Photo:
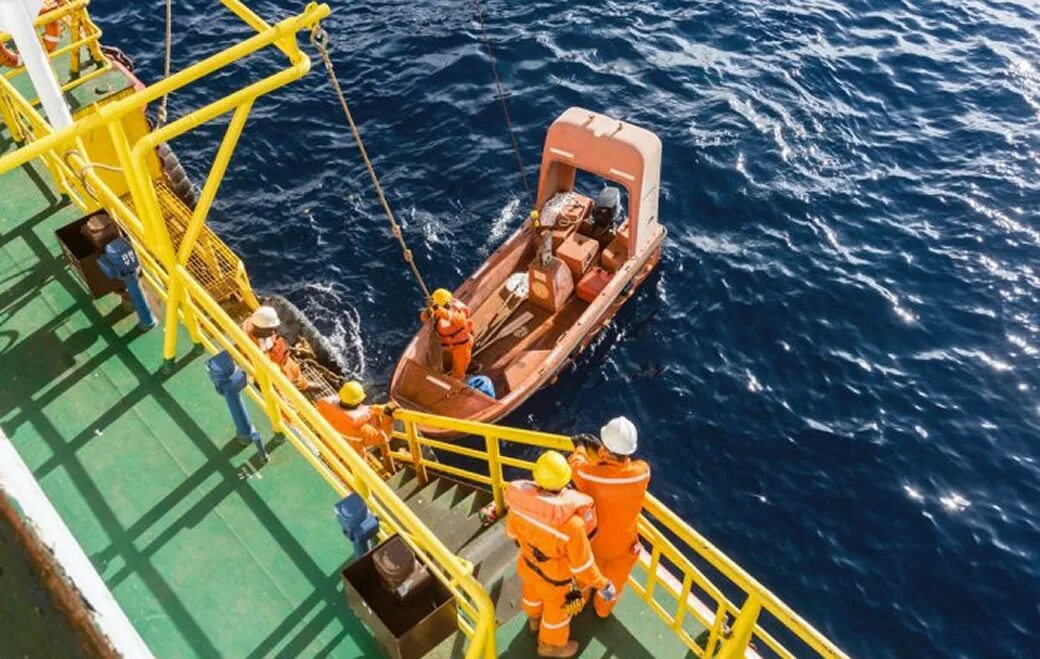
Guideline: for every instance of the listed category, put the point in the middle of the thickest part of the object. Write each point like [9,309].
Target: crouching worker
[551,525]
[364,426]
[605,471]
[262,328]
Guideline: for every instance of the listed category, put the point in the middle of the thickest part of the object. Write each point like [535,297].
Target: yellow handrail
[657,524]
[670,569]
[189,302]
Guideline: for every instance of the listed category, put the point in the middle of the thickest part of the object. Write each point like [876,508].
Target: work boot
[533,624]
[569,650]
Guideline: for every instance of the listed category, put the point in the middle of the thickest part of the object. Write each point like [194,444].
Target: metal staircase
[450,508]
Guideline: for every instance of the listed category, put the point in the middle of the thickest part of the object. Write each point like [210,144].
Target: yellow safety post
[495,471]
[417,456]
[157,235]
[14,127]
[743,629]
[216,175]
[75,34]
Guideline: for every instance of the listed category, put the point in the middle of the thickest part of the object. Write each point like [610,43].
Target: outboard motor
[607,214]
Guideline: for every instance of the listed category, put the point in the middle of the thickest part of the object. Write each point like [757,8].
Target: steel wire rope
[320,39]
[502,96]
[161,114]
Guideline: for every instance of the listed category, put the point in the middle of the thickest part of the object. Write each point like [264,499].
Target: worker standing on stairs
[551,524]
[605,471]
[262,328]
[454,327]
[364,426]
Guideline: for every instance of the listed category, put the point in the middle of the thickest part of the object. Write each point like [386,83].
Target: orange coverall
[618,487]
[455,331]
[567,559]
[364,426]
[279,354]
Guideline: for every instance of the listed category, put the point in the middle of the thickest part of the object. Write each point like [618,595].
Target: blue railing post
[357,522]
[229,381]
[119,261]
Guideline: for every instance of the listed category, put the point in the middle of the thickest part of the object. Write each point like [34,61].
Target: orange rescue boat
[541,298]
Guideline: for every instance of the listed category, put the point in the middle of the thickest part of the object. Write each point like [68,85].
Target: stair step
[493,554]
[405,483]
[449,508]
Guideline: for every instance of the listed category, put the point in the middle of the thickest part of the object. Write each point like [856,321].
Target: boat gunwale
[609,300]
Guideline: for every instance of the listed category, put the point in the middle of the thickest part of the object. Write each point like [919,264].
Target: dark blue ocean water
[835,368]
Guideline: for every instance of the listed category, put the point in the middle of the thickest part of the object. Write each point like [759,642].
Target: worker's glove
[586,440]
[573,602]
[390,408]
[608,592]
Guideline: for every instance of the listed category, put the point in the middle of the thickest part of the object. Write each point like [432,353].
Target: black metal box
[82,257]
[406,631]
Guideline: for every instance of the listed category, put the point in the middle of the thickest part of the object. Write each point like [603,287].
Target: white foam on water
[501,224]
[325,304]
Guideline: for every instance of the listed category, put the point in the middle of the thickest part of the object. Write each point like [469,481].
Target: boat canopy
[615,150]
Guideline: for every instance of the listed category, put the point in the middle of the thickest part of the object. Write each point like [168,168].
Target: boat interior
[516,332]
[536,288]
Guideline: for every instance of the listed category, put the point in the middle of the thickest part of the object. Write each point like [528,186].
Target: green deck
[208,553]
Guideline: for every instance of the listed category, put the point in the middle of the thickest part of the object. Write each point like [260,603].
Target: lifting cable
[166,67]
[502,96]
[320,39]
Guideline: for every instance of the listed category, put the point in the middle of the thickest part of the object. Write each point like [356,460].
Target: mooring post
[119,261]
[357,522]
[229,381]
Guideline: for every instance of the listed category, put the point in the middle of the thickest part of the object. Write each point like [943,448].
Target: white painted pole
[17,482]
[16,18]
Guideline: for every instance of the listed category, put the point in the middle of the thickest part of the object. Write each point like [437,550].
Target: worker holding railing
[605,471]
[262,328]
[364,426]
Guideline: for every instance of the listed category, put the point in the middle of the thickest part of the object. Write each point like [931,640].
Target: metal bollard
[229,381]
[118,261]
[357,522]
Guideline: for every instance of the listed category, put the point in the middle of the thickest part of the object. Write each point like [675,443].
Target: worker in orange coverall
[364,426]
[551,523]
[454,329]
[604,470]
[262,328]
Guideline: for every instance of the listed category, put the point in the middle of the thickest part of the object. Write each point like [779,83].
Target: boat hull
[460,401]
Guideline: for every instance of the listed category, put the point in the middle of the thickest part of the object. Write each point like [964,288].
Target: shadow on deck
[208,552]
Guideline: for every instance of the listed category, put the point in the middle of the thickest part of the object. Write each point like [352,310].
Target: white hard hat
[619,436]
[265,318]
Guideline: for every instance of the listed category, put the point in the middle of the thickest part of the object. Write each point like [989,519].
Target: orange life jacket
[346,422]
[551,529]
[360,425]
[279,354]
[554,510]
[457,328]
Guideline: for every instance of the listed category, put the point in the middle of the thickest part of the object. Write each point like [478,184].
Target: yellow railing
[673,546]
[188,301]
[83,33]
[675,556]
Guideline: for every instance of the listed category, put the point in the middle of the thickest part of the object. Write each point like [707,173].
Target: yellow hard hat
[552,471]
[441,297]
[352,393]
